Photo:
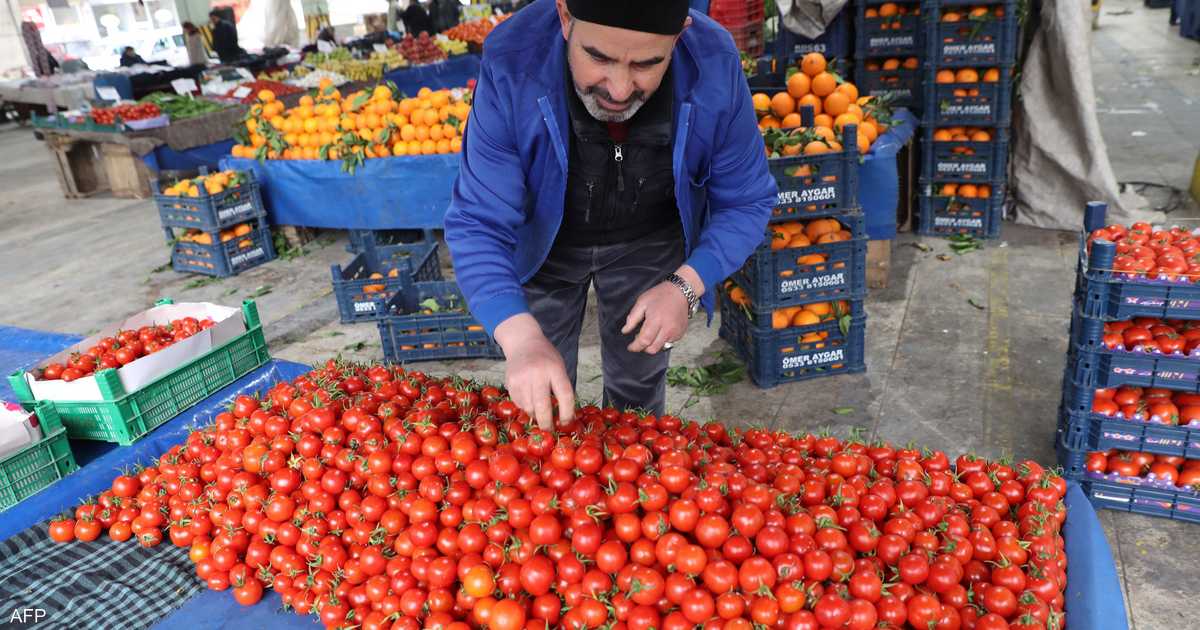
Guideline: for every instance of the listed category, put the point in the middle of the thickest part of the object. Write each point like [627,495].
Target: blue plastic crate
[903,86]
[980,104]
[224,259]
[361,239]
[1111,296]
[1178,504]
[795,354]
[1094,432]
[813,186]
[984,41]
[363,298]
[1073,461]
[777,278]
[965,161]
[411,331]
[834,43]
[891,36]
[1113,369]
[210,213]
[947,215]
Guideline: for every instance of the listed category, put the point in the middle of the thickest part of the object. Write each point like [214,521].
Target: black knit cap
[664,17]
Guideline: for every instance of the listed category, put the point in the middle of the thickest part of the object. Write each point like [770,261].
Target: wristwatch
[693,300]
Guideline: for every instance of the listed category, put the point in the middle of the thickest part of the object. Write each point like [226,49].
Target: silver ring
[668,345]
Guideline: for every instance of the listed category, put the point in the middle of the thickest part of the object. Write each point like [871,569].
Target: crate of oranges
[362,125]
[799,342]
[223,253]
[804,261]
[815,126]
[951,208]
[209,202]
[969,96]
[965,154]
[429,321]
[970,34]
[363,287]
[891,29]
[893,80]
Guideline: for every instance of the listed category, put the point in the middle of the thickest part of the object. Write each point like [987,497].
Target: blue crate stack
[363,287]
[215,214]
[822,186]
[889,51]
[969,52]
[429,321]
[1103,295]
[834,43]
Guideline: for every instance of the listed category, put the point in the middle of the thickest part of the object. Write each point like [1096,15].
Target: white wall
[12,48]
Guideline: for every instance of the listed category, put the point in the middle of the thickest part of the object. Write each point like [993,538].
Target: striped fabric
[102,584]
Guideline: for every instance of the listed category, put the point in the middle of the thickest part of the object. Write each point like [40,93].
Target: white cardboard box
[149,368]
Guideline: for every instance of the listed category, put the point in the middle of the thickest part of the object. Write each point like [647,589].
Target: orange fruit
[456,145]
[823,120]
[944,76]
[942,135]
[762,102]
[966,75]
[863,142]
[805,317]
[768,122]
[949,190]
[888,9]
[810,100]
[266,96]
[871,12]
[835,104]
[849,89]
[779,238]
[823,84]
[816,147]
[967,191]
[818,227]
[951,16]
[820,309]
[978,12]
[983,191]
[891,64]
[798,85]
[912,63]
[790,121]
[813,64]
[991,75]
[868,130]
[799,240]
[841,121]
[780,319]
[782,104]
[981,136]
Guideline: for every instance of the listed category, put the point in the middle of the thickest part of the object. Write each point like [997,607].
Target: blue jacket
[507,203]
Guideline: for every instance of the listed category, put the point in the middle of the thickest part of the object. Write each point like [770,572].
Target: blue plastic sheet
[452,73]
[96,474]
[1093,598]
[878,179]
[21,348]
[164,158]
[386,193]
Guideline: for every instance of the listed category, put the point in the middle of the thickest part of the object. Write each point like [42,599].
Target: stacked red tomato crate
[1129,426]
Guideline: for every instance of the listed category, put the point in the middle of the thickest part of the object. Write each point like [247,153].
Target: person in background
[444,14]
[194,42]
[224,38]
[417,20]
[129,57]
[326,35]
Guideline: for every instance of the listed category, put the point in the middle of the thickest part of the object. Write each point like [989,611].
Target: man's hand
[663,313]
[533,370]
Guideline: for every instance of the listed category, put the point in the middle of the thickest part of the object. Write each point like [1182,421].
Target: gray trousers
[557,297]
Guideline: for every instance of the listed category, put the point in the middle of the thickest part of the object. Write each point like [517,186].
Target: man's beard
[590,99]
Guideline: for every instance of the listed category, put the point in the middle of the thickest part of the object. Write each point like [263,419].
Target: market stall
[454,72]
[53,93]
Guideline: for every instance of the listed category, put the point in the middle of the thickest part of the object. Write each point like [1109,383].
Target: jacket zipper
[619,158]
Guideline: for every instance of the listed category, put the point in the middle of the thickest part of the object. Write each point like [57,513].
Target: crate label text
[815,359]
[816,282]
[808,195]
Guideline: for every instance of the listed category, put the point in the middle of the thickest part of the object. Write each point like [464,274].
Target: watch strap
[693,300]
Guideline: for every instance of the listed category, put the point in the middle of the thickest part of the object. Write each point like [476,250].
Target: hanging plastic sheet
[96,472]
[451,73]
[164,158]
[386,193]
[878,179]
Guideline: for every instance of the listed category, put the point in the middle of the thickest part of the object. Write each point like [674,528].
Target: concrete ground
[964,353]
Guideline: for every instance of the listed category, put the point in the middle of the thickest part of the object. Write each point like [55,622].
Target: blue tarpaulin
[20,348]
[164,158]
[1094,598]
[878,179]
[452,73]
[385,193]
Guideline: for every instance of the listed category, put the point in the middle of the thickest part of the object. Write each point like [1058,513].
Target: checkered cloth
[102,584]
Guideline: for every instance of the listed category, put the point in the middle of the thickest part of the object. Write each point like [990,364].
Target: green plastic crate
[26,472]
[123,418]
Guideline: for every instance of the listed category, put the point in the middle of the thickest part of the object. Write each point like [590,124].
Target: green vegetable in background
[180,106]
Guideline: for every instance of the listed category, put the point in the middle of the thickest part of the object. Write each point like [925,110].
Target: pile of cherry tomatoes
[127,111]
[124,348]
[1150,334]
[1168,255]
[373,498]
[1184,473]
